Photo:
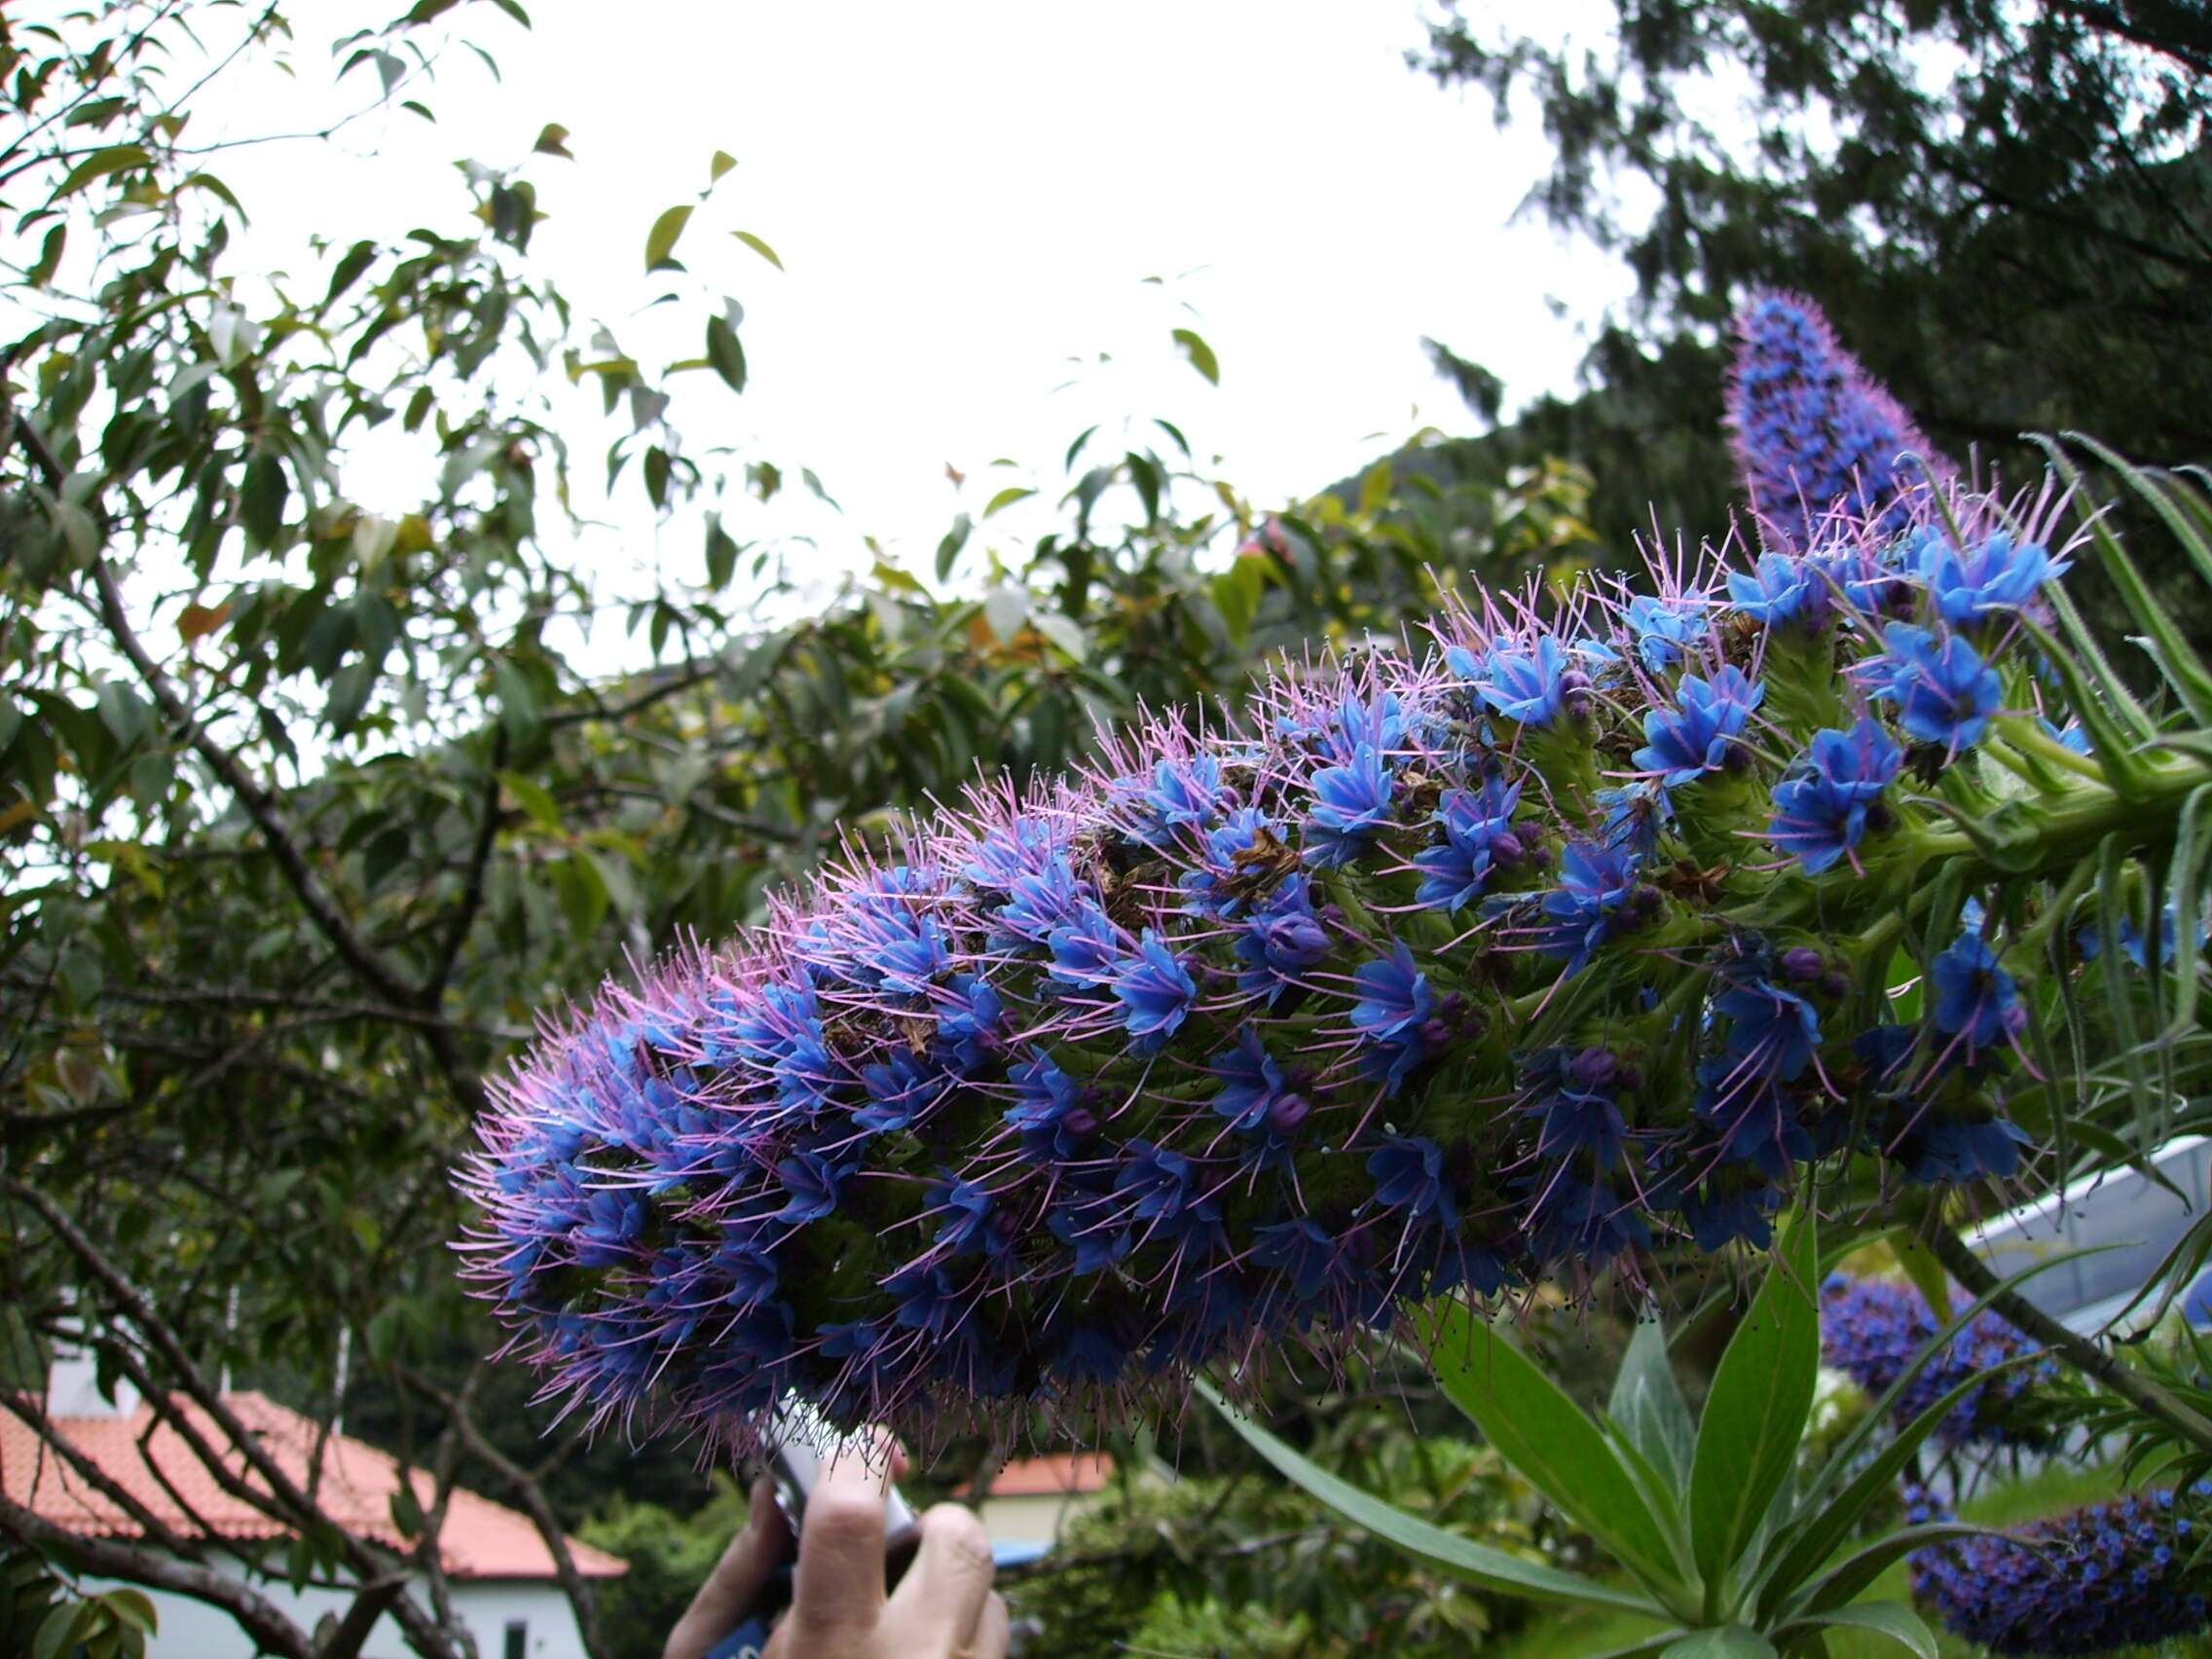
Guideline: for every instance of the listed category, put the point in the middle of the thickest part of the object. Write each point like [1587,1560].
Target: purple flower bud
[1288,1112]
[1594,1070]
[1801,963]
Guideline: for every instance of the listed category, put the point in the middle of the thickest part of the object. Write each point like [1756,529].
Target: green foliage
[43,1617]
[312,795]
[1219,1562]
[1756,1551]
[670,1556]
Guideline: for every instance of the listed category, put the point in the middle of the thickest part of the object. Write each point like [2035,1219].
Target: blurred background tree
[2006,210]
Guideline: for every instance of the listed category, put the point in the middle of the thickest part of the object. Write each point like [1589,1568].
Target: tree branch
[158,1530]
[518,1480]
[260,805]
[366,963]
[2091,1359]
[254,1612]
[366,1560]
[472,887]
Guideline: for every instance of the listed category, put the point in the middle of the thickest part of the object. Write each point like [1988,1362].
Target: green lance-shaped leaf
[1493,1568]
[1647,1405]
[724,352]
[1755,1415]
[1804,1548]
[662,239]
[1852,1577]
[2185,671]
[261,499]
[1552,1443]
[759,246]
[1725,1641]
[1200,355]
[1890,1619]
[1845,1454]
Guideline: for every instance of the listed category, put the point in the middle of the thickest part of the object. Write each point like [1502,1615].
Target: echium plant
[1873,1329]
[1515,951]
[1728,1537]
[2095,1579]
[1812,431]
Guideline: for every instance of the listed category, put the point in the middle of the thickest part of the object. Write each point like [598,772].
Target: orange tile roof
[1055,1474]
[480,1539]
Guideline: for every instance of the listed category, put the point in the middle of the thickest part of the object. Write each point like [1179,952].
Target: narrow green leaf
[759,246]
[724,352]
[116,158]
[1754,1414]
[1846,1451]
[948,550]
[722,554]
[407,1511]
[1850,1578]
[1492,1568]
[1005,498]
[1200,355]
[135,1608]
[1891,1619]
[1651,1648]
[262,495]
[532,798]
[1926,1273]
[62,1628]
[1806,1547]
[1237,594]
[357,259]
[2171,496]
[2185,902]
[662,239]
[582,892]
[720,165]
[1549,1441]
[2114,745]
[1727,1641]
[48,258]
[2183,669]
[1647,1405]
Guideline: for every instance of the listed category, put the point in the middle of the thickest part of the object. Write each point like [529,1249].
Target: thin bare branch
[111,1557]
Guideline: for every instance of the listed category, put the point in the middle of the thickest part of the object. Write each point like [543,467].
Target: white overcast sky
[966,197]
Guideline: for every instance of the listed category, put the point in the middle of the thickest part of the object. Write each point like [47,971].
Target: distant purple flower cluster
[2109,1577]
[1871,1330]
[1562,938]
[1814,435]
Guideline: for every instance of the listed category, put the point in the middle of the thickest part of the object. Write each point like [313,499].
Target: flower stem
[2089,1358]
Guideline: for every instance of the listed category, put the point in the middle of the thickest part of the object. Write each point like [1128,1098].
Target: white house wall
[195,1630]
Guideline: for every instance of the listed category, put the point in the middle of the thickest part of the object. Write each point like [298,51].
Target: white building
[500,1570]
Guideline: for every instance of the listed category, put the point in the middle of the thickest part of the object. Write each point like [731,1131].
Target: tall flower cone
[1815,435]
[1515,951]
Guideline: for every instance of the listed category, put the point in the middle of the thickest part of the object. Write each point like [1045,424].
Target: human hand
[943,1609]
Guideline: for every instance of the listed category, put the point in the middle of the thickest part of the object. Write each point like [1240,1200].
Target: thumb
[763,1541]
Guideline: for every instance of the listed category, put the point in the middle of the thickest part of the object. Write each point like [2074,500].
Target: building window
[518,1639]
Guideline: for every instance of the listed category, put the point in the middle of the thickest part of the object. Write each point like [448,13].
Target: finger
[839,1582]
[994,1631]
[736,1579]
[941,1597]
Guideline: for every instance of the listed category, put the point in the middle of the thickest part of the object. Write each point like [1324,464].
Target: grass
[1581,1635]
